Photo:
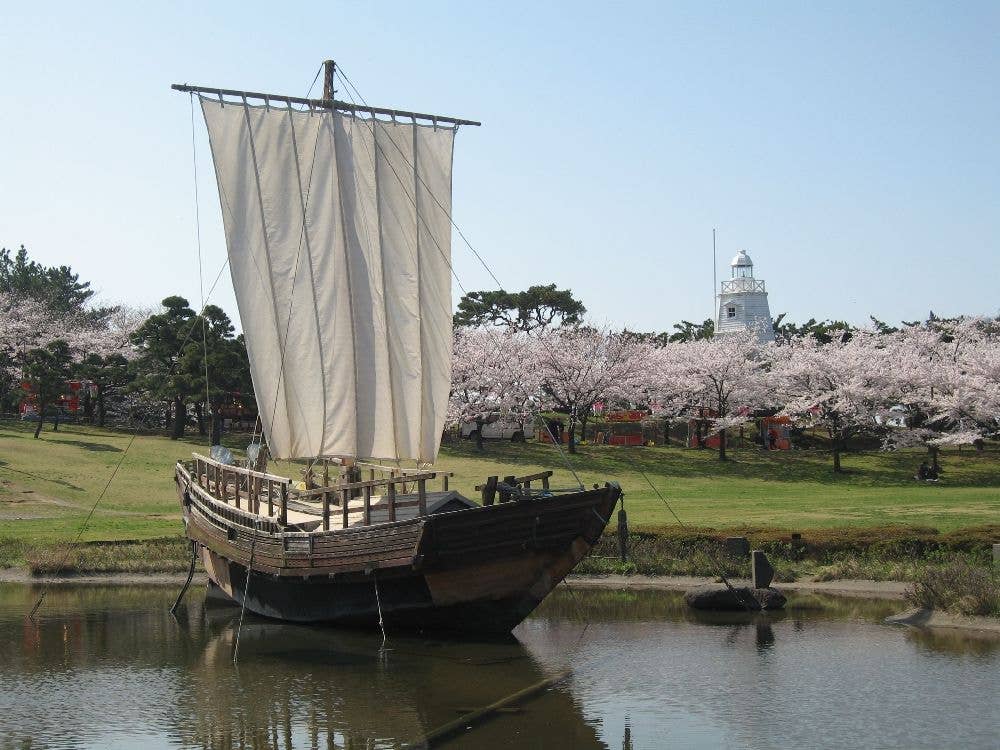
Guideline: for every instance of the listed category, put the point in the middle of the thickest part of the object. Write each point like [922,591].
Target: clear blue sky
[853,148]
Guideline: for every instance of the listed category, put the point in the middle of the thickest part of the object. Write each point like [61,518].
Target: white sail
[339,242]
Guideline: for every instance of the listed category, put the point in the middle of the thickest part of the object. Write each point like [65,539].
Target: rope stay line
[138,423]
[350,86]
[201,275]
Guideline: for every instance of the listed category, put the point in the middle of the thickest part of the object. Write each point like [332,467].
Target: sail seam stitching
[350,287]
[420,300]
[270,274]
[312,277]
[385,301]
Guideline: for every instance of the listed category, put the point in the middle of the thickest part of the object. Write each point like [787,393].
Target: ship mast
[329,69]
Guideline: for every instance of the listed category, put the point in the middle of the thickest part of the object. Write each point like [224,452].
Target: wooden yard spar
[338,229]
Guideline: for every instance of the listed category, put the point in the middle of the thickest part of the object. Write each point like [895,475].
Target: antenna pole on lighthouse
[329,68]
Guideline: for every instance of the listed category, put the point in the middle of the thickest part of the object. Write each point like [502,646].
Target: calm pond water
[110,668]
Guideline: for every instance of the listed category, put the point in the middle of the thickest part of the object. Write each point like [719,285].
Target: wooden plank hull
[475,571]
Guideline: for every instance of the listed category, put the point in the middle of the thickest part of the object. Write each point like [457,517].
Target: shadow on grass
[88,446]
[4,466]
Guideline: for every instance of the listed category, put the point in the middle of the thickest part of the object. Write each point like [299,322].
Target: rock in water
[761,571]
[722,599]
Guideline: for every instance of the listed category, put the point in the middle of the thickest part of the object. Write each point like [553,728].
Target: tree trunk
[666,433]
[836,458]
[583,428]
[572,435]
[199,413]
[180,413]
[167,415]
[722,446]
[479,436]
[88,406]
[933,451]
[41,414]
[101,413]
[55,420]
[217,426]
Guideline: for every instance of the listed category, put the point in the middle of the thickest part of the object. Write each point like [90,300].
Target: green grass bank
[873,521]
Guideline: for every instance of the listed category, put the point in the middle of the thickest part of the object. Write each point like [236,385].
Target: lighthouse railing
[742,285]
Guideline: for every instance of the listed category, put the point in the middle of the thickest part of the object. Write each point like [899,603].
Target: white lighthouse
[743,301]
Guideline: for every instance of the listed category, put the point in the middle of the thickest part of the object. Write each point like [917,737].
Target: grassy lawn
[48,485]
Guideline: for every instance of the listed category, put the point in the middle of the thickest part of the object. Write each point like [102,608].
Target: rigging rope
[492,275]
[139,422]
[374,120]
[201,279]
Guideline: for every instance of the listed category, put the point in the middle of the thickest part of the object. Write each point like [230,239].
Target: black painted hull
[479,571]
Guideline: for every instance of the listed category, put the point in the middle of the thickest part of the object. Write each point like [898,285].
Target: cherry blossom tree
[727,376]
[494,375]
[837,387]
[581,366]
[945,374]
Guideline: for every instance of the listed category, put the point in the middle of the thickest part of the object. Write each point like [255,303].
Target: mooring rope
[246,593]
[378,603]
[138,423]
[496,280]
[711,557]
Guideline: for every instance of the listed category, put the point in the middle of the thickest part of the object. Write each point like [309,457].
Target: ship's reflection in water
[109,667]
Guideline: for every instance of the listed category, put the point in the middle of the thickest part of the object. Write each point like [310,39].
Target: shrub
[958,587]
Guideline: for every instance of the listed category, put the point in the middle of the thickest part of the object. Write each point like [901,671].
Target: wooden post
[270,498]
[326,473]
[391,493]
[444,482]
[326,511]
[545,483]
[368,505]
[354,476]
[236,487]
[283,512]
[510,481]
[422,496]
[345,499]
[489,490]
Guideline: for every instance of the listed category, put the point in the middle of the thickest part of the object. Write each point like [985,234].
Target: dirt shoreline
[892,590]
[867,589]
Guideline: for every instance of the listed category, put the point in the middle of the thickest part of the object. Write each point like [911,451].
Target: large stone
[740,599]
[761,571]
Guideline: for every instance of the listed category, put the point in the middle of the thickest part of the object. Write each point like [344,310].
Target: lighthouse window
[731,311]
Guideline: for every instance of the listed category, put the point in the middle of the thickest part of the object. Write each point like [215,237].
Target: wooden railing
[341,494]
[489,489]
[256,490]
[225,482]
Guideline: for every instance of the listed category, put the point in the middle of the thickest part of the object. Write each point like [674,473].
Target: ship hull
[477,571]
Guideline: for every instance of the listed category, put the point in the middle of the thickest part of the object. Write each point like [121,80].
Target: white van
[499,430]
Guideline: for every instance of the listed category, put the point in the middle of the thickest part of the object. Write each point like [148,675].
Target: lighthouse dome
[741,260]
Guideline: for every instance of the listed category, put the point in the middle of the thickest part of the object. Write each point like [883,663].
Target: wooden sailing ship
[338,228]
